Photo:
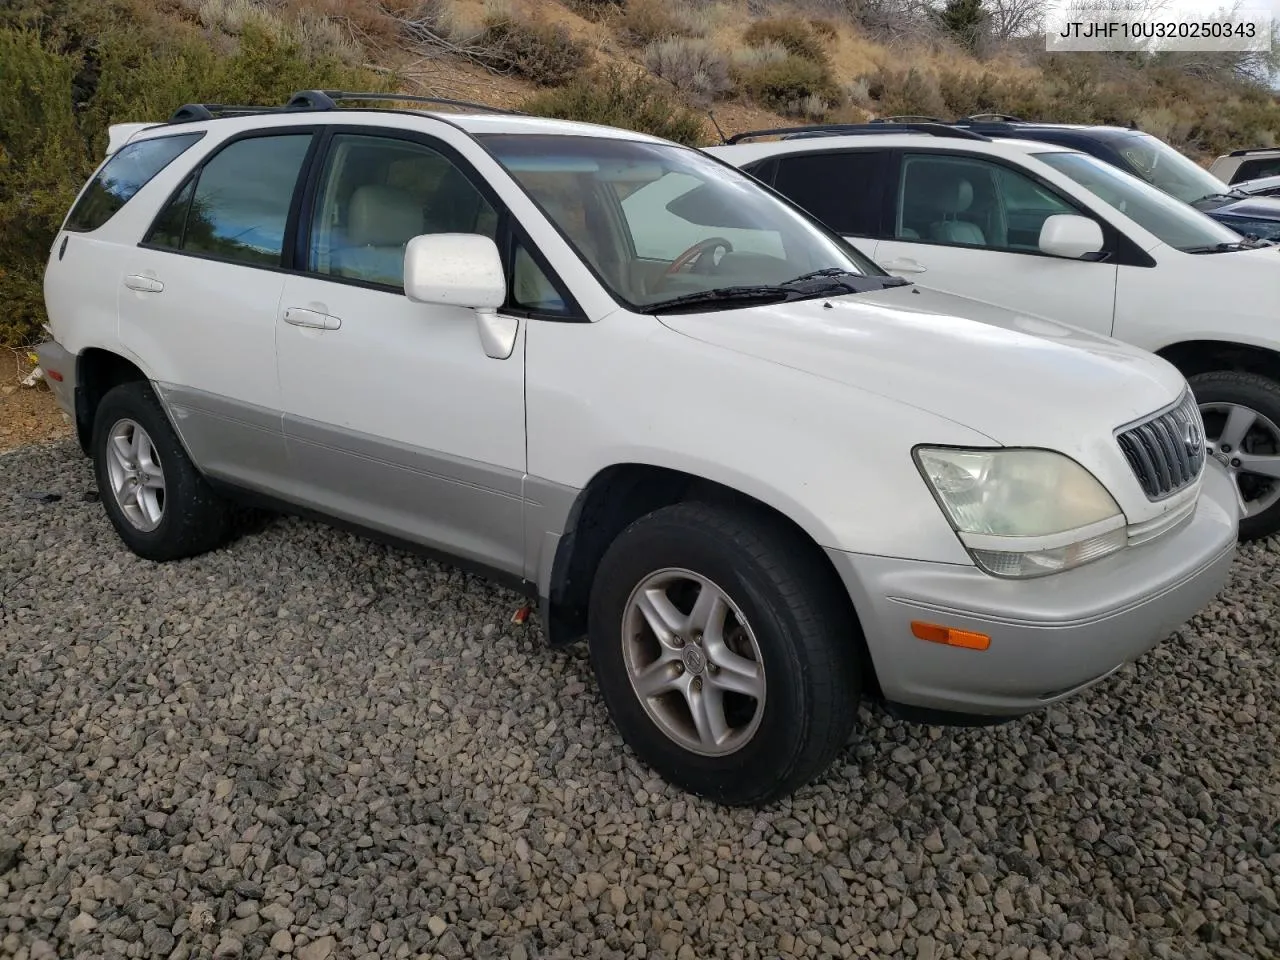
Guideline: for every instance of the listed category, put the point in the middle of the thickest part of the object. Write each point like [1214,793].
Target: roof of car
[472,123]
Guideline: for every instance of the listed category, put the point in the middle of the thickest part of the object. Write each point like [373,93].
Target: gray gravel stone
[308,745]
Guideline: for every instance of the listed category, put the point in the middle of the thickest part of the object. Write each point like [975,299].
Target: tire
[181,518]
[1218,393]
[797,627]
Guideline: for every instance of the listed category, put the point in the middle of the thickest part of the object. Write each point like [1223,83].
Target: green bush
[68,69]
[794,85]
[791,33]
[543,53]
[618,98]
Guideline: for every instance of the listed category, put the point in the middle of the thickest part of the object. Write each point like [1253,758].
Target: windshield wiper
[1229,195]
[1229,246]
[854,282]
[756,293]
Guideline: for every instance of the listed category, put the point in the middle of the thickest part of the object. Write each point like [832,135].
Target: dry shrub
[646,21]
[310,30]
[694,67]
[905,92]
[791,33]
[823,28]
[541,52]
[750,58]
[619,98]
[594,10]
[795,86]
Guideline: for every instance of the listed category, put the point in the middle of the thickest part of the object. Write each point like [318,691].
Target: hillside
[664,66]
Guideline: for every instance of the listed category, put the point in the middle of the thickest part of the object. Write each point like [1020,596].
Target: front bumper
[57,362]
[1051,637]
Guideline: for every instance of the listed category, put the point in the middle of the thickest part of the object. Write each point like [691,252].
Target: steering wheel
[693,255]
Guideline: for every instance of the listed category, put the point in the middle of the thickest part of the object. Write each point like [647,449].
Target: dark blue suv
[1151,159]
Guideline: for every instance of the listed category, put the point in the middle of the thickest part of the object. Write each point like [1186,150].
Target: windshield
[1164,167]
[1170,220]
[657,221]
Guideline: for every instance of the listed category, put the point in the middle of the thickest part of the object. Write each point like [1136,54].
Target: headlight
[1024,513]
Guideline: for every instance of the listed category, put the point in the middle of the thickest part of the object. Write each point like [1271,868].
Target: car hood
[1256,208]
[1021,380]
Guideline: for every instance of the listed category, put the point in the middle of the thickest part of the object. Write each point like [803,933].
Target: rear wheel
[723,653]
[160,505]
[1241,414]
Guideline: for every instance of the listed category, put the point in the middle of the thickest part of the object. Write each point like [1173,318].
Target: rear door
[198,299]
[844,189]
[971,226]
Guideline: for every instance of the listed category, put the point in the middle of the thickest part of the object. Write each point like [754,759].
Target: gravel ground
[309,744]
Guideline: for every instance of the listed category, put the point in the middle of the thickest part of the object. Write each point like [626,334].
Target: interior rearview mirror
[1070,235]
[454,269]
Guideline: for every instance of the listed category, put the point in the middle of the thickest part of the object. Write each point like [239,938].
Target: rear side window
[127,172]
[236,207]
[840,189]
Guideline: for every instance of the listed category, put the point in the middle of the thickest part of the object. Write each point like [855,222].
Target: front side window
[965,201]
[130,169]
[1166,169]
[377,194]
[1167,218]
[237,206]
[655,221]
[840,189]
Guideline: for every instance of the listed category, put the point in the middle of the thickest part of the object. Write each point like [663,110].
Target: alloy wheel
[693,662]
[137,478]
[1248,445]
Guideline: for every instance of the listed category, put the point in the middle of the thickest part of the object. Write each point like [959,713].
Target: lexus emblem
[1193,436]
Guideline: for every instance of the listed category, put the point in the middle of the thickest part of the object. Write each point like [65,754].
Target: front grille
[1166,451]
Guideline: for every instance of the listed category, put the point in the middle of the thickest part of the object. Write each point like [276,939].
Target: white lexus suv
[1055,232]
[763,477]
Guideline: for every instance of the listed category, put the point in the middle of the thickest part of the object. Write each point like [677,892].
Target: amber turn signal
[950,636]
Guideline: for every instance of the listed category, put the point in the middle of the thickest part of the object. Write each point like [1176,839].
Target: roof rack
[998,117]
[1246,153]
[317,100]
[191,112]
[908,118]
[837,129]
[330,99]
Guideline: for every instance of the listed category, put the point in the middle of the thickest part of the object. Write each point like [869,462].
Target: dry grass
[696,68]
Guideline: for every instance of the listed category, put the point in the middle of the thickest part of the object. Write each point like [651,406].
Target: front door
[394,416]
[969,226]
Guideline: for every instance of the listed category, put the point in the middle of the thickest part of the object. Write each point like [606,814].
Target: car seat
[949,198]
[381,221]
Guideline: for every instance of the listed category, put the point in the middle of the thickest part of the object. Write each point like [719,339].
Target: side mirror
[463,270]
[1070,235]
[454,269]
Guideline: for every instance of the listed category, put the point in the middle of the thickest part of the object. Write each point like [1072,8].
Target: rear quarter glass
[121,177]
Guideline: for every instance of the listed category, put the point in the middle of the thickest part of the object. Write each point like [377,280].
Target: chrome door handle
[300,317]
[904,265]
[143,284]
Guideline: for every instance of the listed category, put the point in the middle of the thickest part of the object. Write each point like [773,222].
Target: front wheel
[722,651]
[1241,413]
